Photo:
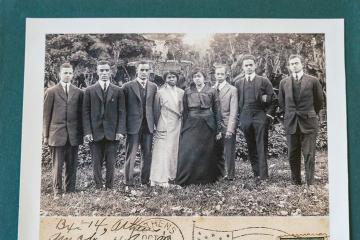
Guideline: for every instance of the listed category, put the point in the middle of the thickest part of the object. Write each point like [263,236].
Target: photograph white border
[36,29]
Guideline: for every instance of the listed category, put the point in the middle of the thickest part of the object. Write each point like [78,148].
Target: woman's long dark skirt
[197,162]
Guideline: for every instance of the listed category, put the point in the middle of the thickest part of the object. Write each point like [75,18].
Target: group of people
[185,136]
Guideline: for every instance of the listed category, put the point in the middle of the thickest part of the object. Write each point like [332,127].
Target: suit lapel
[224,90]
[135,88]
[109,92]
[289,89]
[257,85]
[242,82]
[149,90]
[304,83]
[71,92]
[62,92]
[99,91]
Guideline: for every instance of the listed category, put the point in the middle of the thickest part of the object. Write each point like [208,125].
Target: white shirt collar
[141,81]
[64,85]
[101,82]
[199,89]
[299,75]
[220,85]
[252,76]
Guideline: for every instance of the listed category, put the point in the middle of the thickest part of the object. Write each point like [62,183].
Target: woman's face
[198,79]
[171,79]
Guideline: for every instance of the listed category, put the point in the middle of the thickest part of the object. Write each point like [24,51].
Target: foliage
[277,147]
[84,50]
[271,50]
[241,197]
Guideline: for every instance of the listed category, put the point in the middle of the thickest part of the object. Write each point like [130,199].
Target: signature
[120,229]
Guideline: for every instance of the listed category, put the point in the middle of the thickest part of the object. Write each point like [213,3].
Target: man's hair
[248,57]
[222,66]
[103,62]
[292,56]
[65,65]
[141,63]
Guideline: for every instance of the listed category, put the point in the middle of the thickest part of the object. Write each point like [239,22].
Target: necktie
[66,90]
[104,86]
[249,79]
[296,77]
[143,84]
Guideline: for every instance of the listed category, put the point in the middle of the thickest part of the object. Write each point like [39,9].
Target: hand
[264,98]
[218,136]
[119,136]
[88,138]
[228,135]
[270,119]
[46,141]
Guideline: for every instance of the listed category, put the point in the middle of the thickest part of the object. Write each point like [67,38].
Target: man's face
[295,65]
[104,72]
[143,71]
[66,75]
[249,66]
[220,74]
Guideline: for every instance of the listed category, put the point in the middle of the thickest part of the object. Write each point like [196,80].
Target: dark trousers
[64,155]
[144,139]
[103,151]
[226,150]
[305,143]
[253,125]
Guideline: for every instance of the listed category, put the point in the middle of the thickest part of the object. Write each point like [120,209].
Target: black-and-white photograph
[185,124]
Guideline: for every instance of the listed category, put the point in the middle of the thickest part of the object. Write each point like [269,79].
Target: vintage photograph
[185,124]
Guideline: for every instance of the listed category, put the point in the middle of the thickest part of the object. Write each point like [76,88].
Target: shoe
[129,184]
[145,184]
[57,195]
[257,181]
[296,182]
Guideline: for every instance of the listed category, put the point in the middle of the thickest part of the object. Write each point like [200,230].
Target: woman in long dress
[198,160]
[168,109]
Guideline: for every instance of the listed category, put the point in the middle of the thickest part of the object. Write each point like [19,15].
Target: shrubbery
[277,146]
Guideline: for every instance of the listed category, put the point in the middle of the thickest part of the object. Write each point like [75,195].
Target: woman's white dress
[168,109]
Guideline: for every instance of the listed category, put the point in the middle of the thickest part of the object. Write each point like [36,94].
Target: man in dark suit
[228,96]
[104,117]
[256,96]
[139,95]
[301,98]
[62,128]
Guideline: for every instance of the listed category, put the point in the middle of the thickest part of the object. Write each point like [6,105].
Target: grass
[239,197]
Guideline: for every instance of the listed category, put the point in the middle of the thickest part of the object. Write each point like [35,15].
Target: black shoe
[257,181]
[129,184]
[296,182]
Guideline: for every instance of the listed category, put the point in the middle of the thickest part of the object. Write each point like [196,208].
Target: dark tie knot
[297,77]
[105,86]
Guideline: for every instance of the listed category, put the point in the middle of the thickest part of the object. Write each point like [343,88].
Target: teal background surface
[12,47]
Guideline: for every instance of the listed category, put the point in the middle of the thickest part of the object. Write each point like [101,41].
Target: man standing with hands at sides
[62,128]
[301,98]
[229,109]
[104,123]
[256,95]
[139,94]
